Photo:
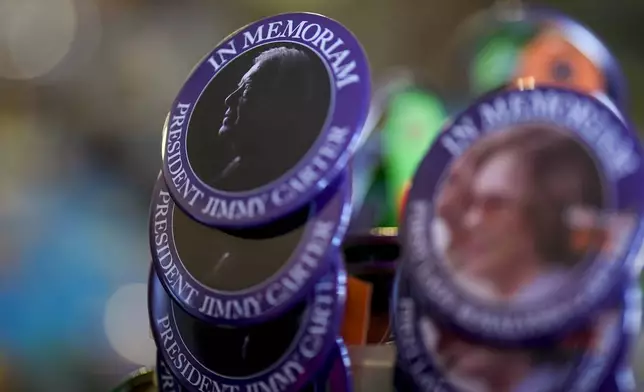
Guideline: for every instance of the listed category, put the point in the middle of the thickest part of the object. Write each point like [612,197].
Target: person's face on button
[454,197]
[239,102]
[498,236]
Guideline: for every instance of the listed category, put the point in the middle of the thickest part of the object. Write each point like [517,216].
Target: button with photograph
[241,277]
[439,359]
[525,213]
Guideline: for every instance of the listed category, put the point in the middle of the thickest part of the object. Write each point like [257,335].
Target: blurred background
[84,89]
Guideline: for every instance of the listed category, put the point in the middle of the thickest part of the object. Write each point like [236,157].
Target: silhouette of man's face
[241,104]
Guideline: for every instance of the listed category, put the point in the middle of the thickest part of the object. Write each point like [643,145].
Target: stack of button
[521,241]
[248,283]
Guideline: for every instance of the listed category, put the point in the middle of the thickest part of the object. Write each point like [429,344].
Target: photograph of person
[273,110]
[502,213]
[471,367]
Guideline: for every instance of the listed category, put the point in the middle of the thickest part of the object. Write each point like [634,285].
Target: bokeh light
[127,324]
[36,35]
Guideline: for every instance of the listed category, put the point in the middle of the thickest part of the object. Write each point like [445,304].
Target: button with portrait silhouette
[240,277]
[288,351]
[436,357]
[525,214]
[266,120]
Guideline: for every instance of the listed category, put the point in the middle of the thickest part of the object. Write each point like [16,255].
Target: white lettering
[236,209]
[182,361]
[164,255]
[342,64]
[231,309]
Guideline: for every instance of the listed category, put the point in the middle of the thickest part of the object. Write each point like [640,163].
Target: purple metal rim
[333,216]
[573,303]
[581,36]
[622,380]
[589,372]
[339,378]
[315,340]
[165,380]
[589,44]
[350,100]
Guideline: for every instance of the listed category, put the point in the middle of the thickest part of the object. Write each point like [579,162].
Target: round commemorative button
[524,214]
[566,53]
[267,120]
[542,46]
[165,380]
[282,354]
[438,359]
[245,276]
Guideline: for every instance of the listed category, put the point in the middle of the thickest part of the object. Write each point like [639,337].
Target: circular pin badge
[141,380]
[246,276]
[284,353]
[438,359]
[267,120]
[566,53]
[523,215]
[165,380]
[507,42]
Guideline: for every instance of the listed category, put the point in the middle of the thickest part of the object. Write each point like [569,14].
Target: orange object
[552,60]
[357,312]
[403,200]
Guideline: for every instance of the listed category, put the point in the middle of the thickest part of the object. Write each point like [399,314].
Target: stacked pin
[248,283]
[521,249]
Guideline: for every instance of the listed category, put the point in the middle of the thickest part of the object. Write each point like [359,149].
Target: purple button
[248,276]
[267,120]
[288,351]
[438,359]
[524,214]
